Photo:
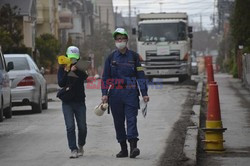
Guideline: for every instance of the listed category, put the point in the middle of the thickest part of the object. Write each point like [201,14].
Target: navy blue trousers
[124,107]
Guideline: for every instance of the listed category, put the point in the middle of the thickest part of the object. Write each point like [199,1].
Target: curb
[52,88]
[191,139]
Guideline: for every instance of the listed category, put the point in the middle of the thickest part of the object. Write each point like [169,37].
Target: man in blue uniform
[124,76]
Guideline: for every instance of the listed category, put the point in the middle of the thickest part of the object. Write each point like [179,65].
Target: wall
[51,78]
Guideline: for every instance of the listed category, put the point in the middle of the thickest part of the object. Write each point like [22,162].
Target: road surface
[40,139]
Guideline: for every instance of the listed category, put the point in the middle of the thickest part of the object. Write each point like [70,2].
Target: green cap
[120,31]
[73,52]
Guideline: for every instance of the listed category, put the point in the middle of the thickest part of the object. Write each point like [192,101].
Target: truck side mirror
[134,31]
[42,70]
[10,66]
[190,29]
[190,35]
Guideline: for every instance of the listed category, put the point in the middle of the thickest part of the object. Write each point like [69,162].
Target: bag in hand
[66,94]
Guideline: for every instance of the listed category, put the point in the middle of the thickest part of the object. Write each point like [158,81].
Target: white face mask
[120,45]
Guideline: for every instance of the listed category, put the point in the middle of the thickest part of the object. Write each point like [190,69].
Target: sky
[200,11]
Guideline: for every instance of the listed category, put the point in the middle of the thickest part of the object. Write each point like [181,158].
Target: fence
[246,70]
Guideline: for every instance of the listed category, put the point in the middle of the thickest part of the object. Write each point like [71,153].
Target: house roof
[24,6]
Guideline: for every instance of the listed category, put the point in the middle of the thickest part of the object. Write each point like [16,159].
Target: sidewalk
[52,88]
[235,113]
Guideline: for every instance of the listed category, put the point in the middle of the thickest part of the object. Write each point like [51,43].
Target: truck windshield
[162,32]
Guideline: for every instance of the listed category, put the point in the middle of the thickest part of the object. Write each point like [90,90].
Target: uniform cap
[120,31]
[73,52]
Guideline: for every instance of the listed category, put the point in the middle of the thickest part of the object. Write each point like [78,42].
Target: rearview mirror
[10,66]
[42,70]
[190,29]
[190,35]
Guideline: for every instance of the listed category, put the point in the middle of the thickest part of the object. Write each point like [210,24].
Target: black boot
[134,151]
[124,150]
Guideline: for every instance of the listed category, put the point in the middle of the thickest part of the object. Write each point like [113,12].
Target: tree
[240,25]
[48,47]
[10,28]
[100,44]
[240,30]
[5,39]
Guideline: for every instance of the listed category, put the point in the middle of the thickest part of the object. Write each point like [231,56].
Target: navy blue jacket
[76,83]
[124,69]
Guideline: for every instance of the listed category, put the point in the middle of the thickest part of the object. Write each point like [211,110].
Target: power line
[174,3]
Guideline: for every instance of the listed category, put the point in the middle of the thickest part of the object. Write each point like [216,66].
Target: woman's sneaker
[74,154]
[80,151]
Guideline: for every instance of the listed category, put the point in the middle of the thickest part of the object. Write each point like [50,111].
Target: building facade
[47,17]
[75,21]
[104,14]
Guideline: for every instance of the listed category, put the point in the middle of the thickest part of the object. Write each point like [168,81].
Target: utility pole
[116,10]
[201,22]
[100,18]
[107,18]
[63,31]
[129,14]
[160,6]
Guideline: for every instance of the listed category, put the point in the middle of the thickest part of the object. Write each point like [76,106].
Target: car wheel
[8,112]
[37,107]
[45,104]
[1,112]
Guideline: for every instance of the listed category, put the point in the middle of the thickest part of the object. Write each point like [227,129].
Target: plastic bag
[143,107]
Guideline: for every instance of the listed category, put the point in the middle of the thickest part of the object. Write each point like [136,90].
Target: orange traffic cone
[210,78]
[210,73]
[208,60]
[214,130]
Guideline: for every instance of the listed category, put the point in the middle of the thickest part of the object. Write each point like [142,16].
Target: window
[20,63]
[162,32]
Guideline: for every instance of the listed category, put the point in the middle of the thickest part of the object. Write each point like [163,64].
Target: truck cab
[163,42]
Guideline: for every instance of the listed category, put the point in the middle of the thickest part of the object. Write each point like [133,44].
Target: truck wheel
[1,113]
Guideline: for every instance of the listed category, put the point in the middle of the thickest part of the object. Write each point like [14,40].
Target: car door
[4,86]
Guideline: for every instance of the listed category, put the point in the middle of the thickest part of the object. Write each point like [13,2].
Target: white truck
[164,43]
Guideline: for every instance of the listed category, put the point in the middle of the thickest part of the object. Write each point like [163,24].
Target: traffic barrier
[214,129]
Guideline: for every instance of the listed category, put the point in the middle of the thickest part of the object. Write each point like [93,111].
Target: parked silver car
[28,86]
[5,91]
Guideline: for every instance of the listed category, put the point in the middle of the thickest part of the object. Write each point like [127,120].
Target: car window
[33,64]
[20,63]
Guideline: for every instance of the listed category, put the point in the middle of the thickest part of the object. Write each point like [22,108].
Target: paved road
[40,139]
